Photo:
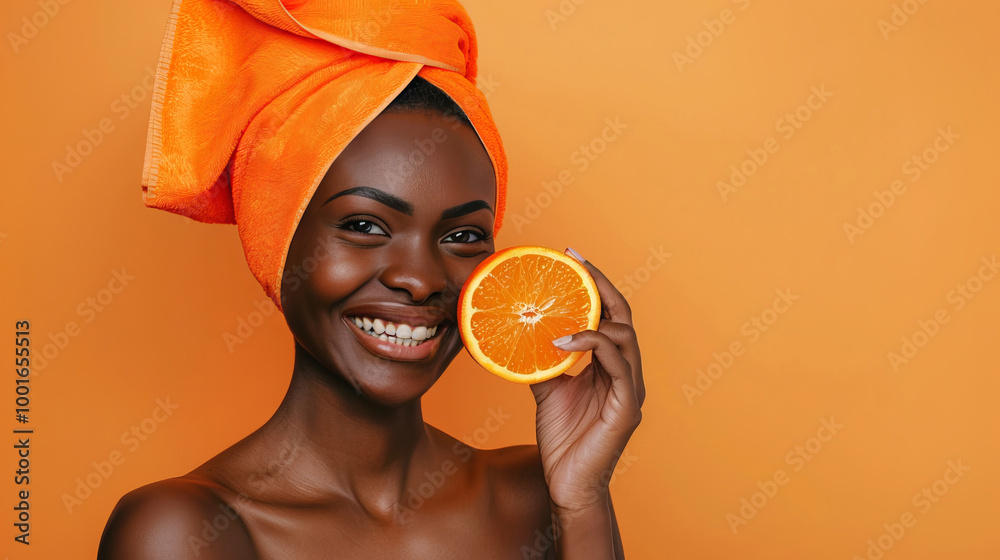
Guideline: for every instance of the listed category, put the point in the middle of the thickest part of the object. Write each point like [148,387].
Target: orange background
[551,84]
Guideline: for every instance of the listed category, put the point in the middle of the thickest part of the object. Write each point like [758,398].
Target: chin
[393,392]
[396,382]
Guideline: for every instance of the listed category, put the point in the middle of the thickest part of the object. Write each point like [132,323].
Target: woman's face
[398,223]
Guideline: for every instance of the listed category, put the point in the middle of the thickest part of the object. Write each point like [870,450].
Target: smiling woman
[387,201]
[397,248]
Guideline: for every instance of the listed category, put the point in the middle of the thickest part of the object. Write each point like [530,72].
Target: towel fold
[254,99]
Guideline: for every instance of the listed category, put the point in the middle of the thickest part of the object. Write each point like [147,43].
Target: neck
[338,443]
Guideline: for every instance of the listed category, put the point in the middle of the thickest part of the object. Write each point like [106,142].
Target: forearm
[585,534]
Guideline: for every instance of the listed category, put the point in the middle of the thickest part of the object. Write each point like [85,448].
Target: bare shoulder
[514,476]
[518,464]
[518,481]
[176,518]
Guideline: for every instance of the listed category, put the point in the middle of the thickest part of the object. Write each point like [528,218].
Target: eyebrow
[463,209]
[405,207]
[389,200]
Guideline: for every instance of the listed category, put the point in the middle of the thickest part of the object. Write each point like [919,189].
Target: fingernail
[563,340]
[575,255]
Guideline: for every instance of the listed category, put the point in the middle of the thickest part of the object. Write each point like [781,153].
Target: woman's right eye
[367,227]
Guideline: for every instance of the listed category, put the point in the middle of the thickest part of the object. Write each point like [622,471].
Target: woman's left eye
[465,236]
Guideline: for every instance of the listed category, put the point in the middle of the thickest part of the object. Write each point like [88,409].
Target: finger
[624,337]
[612,300]
[612,362]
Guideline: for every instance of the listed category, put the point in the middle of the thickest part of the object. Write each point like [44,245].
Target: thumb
[543,389]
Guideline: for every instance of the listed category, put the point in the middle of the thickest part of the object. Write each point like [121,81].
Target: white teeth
[401,334]
[396,340]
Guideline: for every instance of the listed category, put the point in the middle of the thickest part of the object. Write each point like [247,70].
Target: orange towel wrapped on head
[254,99]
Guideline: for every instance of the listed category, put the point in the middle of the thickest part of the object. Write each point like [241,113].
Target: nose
[416,268]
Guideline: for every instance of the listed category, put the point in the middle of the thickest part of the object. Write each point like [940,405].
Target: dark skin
[346,467]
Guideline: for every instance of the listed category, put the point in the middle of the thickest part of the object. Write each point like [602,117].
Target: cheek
[341,275]
[466,270]
[461,272]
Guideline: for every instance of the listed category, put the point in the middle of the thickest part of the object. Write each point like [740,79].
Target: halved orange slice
[516,302]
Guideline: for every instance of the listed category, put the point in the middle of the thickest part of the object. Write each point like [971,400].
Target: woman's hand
[583,422]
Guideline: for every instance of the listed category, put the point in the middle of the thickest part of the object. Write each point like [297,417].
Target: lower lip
[393,351]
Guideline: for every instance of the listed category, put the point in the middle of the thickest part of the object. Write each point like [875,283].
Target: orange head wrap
[254,99]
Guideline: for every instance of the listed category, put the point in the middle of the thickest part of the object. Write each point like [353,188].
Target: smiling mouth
[401,334]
